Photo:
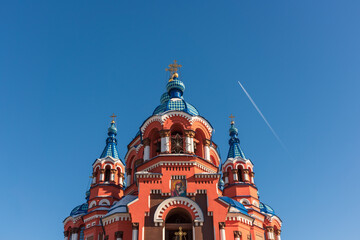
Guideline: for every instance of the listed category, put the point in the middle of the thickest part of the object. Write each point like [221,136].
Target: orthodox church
[172,184]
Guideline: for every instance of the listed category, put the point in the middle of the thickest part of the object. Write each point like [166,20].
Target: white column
[207,149]
[246,175]
[128,178]
[222,231]
[112,175]
[188,144]
[102,171]
[226,177]
[278,232]
[235,175]
[121,179]
[270,233]
[135,231]
[165,141]
[146,153]
[94,179]
[252,177]
[74,236]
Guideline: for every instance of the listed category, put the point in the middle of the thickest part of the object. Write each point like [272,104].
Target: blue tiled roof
[264,208]
[172,100]
[235,204]
[111,144]
[81,209]
[234,142]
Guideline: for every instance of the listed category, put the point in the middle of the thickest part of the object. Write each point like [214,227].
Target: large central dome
[173,100]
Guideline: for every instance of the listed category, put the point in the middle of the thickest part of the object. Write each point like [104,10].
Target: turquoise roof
[234,142]
[235,204]
[173,99]
[111,143]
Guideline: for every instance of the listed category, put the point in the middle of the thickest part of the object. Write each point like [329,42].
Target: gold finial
[232,119]
[173,68]
[113,118]
[180,233]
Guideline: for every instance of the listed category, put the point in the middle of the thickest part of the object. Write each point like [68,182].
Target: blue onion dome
[164,98]
[175,88]
[81,209]
[264,208]
[173,100]
[112,129]
[233,131]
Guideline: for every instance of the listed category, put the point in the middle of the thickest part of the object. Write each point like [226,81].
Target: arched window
[199,143]
[240,174]
[107,174]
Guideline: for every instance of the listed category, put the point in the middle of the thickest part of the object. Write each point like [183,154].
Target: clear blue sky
[65,66]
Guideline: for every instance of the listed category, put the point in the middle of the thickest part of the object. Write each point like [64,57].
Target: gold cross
[180,233]
[173,68]
[113,118]
[232,119]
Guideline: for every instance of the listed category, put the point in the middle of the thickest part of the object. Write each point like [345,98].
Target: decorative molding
[178,201]
[179,163]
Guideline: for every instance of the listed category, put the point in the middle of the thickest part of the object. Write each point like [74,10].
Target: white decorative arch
[255,203]
[104,202]
[242,166]
[109,164]
[199,216]
[245,201]
[92,204]
[97,166]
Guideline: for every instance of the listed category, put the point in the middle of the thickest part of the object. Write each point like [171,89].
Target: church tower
[174,188]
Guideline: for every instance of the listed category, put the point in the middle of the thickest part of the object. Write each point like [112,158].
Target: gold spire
[113,118]
[173,68]
[232,119]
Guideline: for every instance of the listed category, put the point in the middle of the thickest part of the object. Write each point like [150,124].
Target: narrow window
[240,176]
[107,175]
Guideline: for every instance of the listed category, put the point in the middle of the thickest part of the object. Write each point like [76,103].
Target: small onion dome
[81,209]
[164,98]
[112,129]
[264,208]
[233,130]
[175,88]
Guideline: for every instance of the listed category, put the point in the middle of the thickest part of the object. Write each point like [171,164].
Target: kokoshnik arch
[172,183]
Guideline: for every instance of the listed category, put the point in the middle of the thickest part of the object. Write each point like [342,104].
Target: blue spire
[111,143]
[234,142]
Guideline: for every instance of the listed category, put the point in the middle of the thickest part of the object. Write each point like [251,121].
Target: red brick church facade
[172,183]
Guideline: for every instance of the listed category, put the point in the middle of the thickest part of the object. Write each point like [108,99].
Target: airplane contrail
[263,117]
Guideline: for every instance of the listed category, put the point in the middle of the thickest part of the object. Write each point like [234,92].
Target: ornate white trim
[108,158]
[239,217]
[116,217]
[162,119]
[93,217]
[92,204]
[179,163]
[199,217]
